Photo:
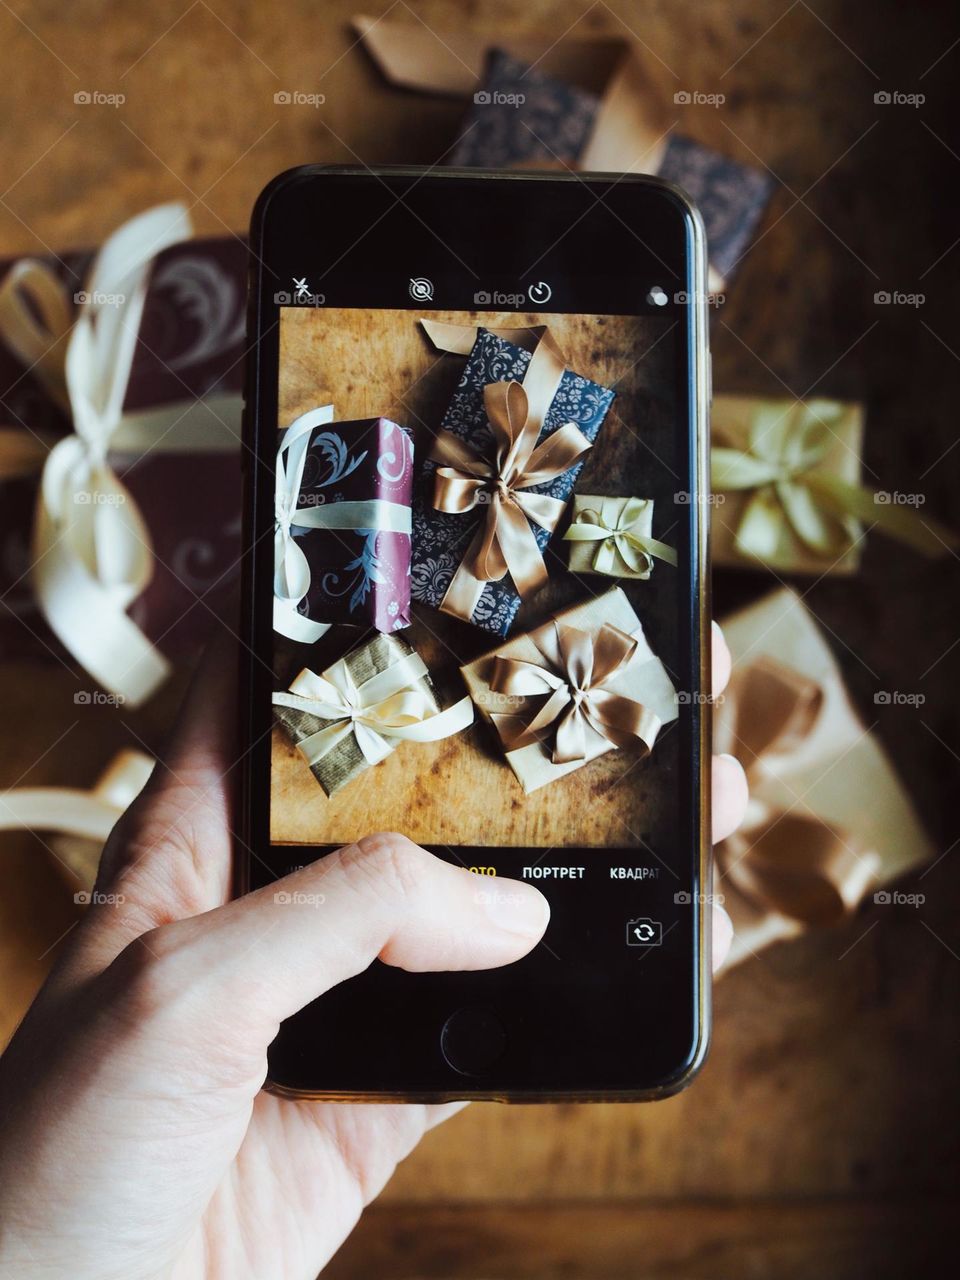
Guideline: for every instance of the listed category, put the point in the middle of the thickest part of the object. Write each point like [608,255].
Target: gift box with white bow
[361,708]
[121,378]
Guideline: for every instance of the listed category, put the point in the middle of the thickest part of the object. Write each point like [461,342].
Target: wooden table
[821,1139]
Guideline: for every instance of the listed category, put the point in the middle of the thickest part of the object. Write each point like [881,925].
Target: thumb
[273,951]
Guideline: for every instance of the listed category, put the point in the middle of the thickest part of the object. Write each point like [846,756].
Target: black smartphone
[475,444]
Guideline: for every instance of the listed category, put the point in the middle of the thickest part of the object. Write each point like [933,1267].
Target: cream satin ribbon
[291,569]
[466,479]
[619,539]
[379,712]
[72,812]
[91,548]
[783,468]
[576,668]
[790,863]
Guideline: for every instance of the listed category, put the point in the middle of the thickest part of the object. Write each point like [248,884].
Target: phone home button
[473,1040]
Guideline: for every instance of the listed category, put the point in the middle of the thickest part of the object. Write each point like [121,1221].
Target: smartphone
[415,336]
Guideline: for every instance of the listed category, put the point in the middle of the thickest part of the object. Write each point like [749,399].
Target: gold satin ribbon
[783,469]
[565,701]
[466,479]
[620,540]
[794,864]
[379,712]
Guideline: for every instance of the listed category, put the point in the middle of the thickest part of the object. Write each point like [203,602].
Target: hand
[136,1139]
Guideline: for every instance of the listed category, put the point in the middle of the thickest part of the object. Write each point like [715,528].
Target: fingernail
[517,908]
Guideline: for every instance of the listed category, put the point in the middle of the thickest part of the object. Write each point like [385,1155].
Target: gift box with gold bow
[584,683]
[503,465]
[361,708]
[594,105]
[121,380]
[828,819]
[342,528]
[786,477]
[614,537]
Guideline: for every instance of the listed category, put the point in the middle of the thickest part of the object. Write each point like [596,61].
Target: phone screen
[477,621]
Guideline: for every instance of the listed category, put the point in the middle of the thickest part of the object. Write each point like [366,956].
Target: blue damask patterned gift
[503,466]
[523,118]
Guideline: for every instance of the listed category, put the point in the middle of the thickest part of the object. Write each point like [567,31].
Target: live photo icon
[644,932]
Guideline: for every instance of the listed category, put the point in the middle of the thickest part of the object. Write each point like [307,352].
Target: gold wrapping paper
[643,680]
[613,537]
[828,819]
[346,760]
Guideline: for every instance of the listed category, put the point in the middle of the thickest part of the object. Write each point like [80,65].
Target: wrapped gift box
[768,429]
[176,448]
[441,539]
[829,820]
[588,104]
[358,711]
[613,537]
[359,563]
[641,678]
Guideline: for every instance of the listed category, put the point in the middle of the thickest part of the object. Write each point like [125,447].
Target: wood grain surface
[821,1139]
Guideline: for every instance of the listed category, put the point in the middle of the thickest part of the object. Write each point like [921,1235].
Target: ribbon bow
[91,548]
[466,479]
[82,819]
[790,863]
[786,469]
[579,714]
[378,712]
[616,529]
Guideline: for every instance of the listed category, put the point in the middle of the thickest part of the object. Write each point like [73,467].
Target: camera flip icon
[644,932]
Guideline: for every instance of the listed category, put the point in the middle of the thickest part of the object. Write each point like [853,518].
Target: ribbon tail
[906,524]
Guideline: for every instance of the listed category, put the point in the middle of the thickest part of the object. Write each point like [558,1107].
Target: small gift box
[134,535]
[614,537]
[362,707]
[787,491]
[342,540]
[584,683]
[588,104]
[828,819]
[496,482]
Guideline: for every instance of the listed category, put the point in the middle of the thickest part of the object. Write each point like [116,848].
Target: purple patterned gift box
[523,118]
[342,542]
[478,532]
